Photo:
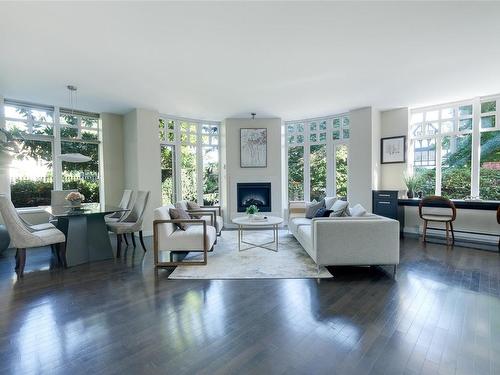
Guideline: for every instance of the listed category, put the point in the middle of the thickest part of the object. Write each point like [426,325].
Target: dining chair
[444,211]
[23,236]
[58,197]
[124,204]
[131,222]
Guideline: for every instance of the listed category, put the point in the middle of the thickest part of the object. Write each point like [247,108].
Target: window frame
[55,139]
[178,142]
[331,145]
[475,132]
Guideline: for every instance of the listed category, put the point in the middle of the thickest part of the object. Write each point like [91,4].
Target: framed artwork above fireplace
[253,147]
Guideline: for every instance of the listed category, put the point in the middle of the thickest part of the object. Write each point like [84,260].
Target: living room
[250,187]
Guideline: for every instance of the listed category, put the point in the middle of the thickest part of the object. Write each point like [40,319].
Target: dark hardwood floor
[442,315]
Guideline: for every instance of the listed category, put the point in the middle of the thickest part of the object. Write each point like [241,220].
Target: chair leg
[142,240]
[125,238]
[425,230]
[133,239]
[61,251]
[452,233]
[118,245]
[447,234]
[20,261]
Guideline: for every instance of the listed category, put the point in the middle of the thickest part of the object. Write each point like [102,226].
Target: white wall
[142,158]
[364,154]
[394,123]
[234,173]
[113,166]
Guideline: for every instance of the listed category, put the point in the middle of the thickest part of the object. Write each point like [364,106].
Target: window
[317,157]
[443,142]
[193,174]
[41,131]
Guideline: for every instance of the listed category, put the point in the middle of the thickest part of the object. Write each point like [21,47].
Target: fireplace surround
[257,193]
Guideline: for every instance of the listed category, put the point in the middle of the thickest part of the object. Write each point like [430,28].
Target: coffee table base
[264,245]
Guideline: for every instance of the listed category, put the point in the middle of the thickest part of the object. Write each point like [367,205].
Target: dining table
[87,238]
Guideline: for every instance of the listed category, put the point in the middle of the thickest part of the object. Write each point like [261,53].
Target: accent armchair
[198,237]
[211,214]
[25,236]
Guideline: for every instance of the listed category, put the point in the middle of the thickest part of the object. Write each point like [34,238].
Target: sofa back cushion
[313,207]
[357,211]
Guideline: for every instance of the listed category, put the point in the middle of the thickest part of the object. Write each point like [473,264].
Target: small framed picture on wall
[393,150]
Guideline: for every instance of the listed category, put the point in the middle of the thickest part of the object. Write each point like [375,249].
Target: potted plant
[251,211]
[411,182]
[75,198]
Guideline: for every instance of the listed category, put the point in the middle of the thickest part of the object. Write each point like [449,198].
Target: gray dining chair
[131,222]
[23,236]
[58,197]
[125,203]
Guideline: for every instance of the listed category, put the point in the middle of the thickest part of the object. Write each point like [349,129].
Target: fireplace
[257,193]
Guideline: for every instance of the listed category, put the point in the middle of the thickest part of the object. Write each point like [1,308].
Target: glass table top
[84,209]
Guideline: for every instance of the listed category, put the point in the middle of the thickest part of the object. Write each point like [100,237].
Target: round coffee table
[244,223]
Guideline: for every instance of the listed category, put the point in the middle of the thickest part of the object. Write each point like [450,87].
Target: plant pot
[250,216]
[77,203]
[409,194]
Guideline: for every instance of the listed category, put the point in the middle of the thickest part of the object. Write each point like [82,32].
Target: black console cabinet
[385,203]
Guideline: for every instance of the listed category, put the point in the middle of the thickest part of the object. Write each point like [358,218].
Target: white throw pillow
[340,208]
[329,201]
[357,211]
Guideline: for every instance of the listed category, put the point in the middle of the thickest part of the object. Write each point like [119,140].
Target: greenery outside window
[42,131]
[317,157]
[455,149]
[192,174]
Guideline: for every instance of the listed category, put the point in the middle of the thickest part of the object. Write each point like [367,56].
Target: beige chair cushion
[431,217]
[218,222]
[190,239]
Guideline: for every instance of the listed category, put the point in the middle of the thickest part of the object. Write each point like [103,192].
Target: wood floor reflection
[120,317]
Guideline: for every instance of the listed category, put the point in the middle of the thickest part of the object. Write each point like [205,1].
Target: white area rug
[226,262]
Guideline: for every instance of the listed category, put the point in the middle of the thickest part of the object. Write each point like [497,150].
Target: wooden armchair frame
[438,202]
[173,264]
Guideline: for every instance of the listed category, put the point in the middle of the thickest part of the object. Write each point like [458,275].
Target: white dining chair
[23,236]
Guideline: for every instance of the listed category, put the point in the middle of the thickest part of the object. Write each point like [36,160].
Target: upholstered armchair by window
[25,236]
[211,214]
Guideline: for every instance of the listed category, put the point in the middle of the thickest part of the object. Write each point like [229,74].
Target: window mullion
[307,173]
[56,152]
[476,147]
[330,161]
[438,141]
[178,164]
[199,164]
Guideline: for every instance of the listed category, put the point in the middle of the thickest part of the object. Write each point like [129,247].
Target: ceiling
[213,60]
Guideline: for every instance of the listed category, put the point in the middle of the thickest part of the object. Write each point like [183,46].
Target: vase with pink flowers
[75,198]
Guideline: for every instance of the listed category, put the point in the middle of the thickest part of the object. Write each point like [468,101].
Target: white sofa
[358,241]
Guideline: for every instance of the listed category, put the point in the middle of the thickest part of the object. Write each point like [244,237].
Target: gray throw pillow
[194,207]
[312,208]
[179,213]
